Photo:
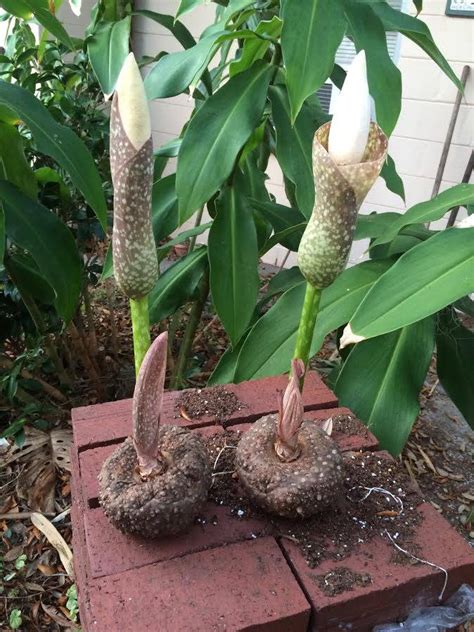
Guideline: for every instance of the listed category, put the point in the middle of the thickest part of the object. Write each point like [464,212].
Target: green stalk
[308,318]
[140,329]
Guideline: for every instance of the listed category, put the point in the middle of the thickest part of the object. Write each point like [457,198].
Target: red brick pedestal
[228,574]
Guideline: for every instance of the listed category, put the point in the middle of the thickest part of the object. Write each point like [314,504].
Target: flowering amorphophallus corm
[288,466]
[348,155]
[131,162]
[155,483]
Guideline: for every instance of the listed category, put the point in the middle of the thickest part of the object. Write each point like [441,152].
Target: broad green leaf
[400,244]
[384,77]
[417,31]
[13,165]
[281,218]
[2,236]
[18,8]
[428,211]
[271,342]
[425,279]
[175,72]
[185,235]
[381,379]
[216,133]
[29,279]
[455,362]
[312,32]
[294,146]
[187,5]
[108,267]
[250,179]
[224,370]
[419,5]
[177,285]
[392,179]
[178,29]
[233,256]
[51,244]
[466,305]
[164,207]
[169,149]
[373,225]
[293,232]
[108,48]
[60,143]
[281,282]
[48,21]
[256,48]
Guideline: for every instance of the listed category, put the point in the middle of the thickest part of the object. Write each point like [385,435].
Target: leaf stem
[140,329]
[308,318]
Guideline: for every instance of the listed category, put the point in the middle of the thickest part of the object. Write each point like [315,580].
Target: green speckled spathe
[340,190]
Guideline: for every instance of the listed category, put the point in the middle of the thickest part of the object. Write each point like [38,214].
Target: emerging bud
[131,162]
[290,415]
[146,410]
[350,125]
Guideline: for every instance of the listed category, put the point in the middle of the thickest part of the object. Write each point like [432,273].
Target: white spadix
[133,104]
[350,125]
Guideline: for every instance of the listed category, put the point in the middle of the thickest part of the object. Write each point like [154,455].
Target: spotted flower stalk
[348,155]
[131,162]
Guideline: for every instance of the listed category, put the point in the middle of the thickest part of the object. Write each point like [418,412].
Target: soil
[340,580]
[348,424]
[358,517]
[219,403]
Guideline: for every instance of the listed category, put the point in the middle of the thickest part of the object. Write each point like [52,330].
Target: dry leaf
[55,539]
[58,617]
[328,426]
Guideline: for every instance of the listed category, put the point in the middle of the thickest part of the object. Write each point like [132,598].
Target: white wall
[416,144]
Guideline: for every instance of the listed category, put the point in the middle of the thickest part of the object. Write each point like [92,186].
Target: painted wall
[417,141]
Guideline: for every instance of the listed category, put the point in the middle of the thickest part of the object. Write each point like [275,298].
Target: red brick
[245,586]
[111,422]
[396,589]
[363,440]
[109,551]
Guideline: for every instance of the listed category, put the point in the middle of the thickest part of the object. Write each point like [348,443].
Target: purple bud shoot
[290,417]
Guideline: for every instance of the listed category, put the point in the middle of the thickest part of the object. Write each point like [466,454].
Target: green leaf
[233,256]
[459,195]
[177,28]
[282,218]
[185,235]
[15,620]
[466,305]
[13,165]
[60,143]
[381,379]
[29,279]
[281,282]
[49,22]
[455,362]
[187,5]
[294,146]
[175,72]
[392,179]
[312,32]
[2,236]
[373,225]
[224,370]
[216,133]
[108,267]
[256,48]
[51,244]
[177,285]
[18,8]
[400,244]
[384,77]
[108,48]
[271,342]
[164,207]
[425,279]
[417,31]
[419,5]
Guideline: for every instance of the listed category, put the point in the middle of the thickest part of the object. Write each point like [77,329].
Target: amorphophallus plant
[348,155]
[288,466]
[155,483]
[131,162]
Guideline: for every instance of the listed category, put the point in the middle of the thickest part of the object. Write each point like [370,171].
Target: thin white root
[380,490]
[418,559]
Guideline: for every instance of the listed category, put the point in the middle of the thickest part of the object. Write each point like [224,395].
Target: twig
[20,515]
[418,559]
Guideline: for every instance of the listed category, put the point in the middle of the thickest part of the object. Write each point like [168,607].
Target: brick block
[245,586]
[111,422]
[396,589]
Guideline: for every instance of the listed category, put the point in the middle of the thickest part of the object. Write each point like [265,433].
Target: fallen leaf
[55,539]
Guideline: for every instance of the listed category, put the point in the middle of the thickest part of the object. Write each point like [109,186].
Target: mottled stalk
[131,161]
[140,329]
[146,410]
[307,324]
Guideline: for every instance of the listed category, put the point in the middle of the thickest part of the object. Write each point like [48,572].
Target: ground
[438,458]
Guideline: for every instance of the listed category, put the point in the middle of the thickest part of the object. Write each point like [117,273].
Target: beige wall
[417,141]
